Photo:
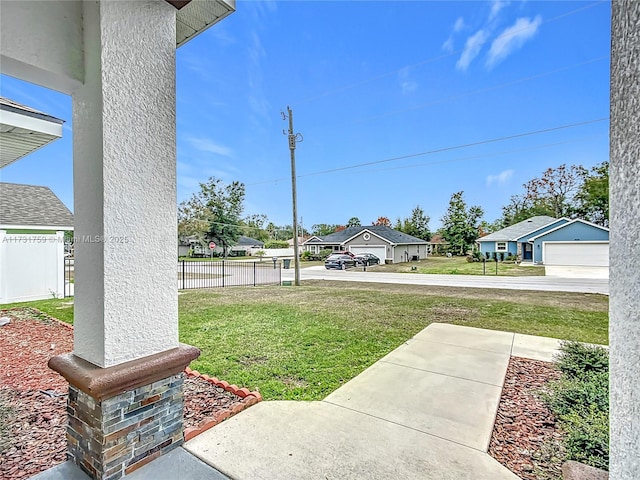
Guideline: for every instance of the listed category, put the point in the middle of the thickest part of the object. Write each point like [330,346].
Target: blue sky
[369,82]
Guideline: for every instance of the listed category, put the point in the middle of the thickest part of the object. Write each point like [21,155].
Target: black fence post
[254,274]
[223,273]
[183,274]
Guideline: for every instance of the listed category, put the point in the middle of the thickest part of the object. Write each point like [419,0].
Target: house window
[501,246]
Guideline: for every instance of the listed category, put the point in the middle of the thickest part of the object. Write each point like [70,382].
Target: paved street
[541,283]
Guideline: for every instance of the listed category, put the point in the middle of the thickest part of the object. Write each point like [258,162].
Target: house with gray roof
[551,241]
[32,225]
[32,218]
[513,240]
[387,244]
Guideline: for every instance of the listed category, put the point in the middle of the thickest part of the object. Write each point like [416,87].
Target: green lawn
[62,309]
[304,342]
[460,266]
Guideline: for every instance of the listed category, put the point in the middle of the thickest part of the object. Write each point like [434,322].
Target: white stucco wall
[41,42]
[125,183]
[624,303]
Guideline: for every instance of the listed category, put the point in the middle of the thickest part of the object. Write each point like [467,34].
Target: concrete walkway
[424,411]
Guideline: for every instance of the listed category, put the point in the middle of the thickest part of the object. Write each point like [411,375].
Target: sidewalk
[426,410]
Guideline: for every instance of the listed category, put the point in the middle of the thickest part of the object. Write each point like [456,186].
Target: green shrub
[575,395]
[324,253]
[276,244]
[306,255]
[488,255]
[577,359]
[260,253]
[502,256]
[580,400]
[470,258]
[587,437]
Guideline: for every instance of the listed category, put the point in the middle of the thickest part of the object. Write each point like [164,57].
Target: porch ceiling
[195,16]
[24,130]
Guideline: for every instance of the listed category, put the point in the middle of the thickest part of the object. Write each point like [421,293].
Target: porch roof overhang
[196,16]
[24,130]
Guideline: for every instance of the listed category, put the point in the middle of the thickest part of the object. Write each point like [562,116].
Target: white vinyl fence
[31,267]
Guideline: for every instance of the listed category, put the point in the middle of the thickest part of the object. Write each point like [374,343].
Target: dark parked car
[367,259]
[339,261]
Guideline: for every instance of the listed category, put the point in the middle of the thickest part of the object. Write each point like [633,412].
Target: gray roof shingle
[389,234]
[519,229]
[249,242]
[33,206]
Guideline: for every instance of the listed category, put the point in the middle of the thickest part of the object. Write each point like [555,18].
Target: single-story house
[437,244]
[552,241]
[247,244]
[386,243]
[32,225]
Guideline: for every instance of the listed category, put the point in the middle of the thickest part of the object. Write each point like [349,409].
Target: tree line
[215,212]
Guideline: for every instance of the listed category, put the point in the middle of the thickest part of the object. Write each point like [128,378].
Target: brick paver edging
[248,399]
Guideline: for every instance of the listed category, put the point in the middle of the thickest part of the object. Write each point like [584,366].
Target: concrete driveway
[539,283]
[576,271]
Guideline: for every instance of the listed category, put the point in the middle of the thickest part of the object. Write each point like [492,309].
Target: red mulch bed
[33,398]
[525,437]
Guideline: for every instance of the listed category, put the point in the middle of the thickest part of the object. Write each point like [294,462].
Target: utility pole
[293,137]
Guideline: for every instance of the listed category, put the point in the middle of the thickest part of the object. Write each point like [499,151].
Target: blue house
[576,242]
[514,240]
[551,241]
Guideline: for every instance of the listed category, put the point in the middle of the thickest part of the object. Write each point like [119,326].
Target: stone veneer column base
[122,417]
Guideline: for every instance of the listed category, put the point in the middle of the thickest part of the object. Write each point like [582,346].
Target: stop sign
[212,245]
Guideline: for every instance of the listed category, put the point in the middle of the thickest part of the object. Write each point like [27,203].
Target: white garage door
[588,254]
[378,251]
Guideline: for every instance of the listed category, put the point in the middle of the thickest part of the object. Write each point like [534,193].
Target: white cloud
[496,6]
[407,84]
[500,179]
[447,46]
[513,38]
[206,145]
[459,25]
[471,49]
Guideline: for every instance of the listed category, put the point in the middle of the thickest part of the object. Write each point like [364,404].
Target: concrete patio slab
[536,348]
[317,440]
[461,411]
[177,464]
[481,339]
[462,362]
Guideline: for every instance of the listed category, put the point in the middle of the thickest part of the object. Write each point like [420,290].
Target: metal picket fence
[206,274]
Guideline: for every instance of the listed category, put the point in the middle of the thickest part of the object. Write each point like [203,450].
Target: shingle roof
[518,230]
[32,205]
[11,106]
[248,241]
[389,234]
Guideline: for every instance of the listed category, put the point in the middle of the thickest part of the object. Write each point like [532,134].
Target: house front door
[528,251]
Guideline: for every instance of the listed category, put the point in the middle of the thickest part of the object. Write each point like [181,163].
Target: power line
[484,155]
[439,150]
[456,147]
[434,59]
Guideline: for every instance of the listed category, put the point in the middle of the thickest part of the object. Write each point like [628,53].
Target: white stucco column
[125,183]
[624,310]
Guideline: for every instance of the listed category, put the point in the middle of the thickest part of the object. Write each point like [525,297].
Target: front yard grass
[301,343]
[459,266]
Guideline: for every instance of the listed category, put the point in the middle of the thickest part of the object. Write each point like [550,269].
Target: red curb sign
[212,245]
